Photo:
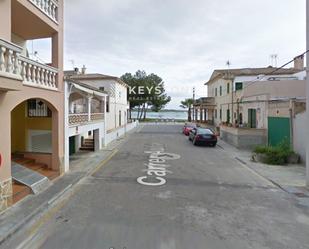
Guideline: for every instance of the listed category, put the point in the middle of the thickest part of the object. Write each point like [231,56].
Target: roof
[86,86]
[92,76]
[251,72]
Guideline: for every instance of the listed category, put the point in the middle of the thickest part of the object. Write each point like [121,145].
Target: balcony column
[89,107]
[57,48]
[5,20]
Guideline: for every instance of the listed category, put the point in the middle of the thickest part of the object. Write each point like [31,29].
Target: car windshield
[204,132]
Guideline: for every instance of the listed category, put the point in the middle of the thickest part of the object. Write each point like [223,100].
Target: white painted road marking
[156,166]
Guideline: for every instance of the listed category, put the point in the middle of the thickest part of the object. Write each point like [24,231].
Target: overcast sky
[182,41]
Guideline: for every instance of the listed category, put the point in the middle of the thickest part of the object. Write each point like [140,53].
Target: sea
[176,115]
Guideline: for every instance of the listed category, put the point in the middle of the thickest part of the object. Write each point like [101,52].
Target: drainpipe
[291,112]
[307,96]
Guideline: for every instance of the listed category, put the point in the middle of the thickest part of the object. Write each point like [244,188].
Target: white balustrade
[83,118]
[48,7]
[9,60]
[30,72]
[37,74]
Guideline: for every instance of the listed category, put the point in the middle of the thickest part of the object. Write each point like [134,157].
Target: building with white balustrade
[96,110]
[31,97]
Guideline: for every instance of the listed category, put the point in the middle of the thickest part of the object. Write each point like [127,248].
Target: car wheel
[213,145]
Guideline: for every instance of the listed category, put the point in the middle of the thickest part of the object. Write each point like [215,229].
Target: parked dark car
[187,128]
[203,136]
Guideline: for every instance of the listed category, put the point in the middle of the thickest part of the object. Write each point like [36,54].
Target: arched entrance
[34,145]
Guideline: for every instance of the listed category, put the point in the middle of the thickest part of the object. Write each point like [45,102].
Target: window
[216,113]
[220,90]
[216,92]
[37,108]
[107,103]
[228,88]
[238,86]
[119,118]
[220,114]
[101,88]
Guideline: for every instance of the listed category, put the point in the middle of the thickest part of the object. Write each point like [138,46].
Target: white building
[85,119]
[96,111]
[116,104]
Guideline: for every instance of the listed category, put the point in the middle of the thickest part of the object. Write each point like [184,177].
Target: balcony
[31,73]
[48,7]
[84,118]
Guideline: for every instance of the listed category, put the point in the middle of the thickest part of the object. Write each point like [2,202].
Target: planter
[294,159]
[258,157]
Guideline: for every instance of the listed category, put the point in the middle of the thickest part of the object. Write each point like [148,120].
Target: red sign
[0,160]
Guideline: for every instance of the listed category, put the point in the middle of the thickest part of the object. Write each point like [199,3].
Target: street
[187,197]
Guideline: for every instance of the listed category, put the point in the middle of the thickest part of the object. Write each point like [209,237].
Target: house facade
[85,119]
[254,106]
[227,87]
[31,95]
[117,106]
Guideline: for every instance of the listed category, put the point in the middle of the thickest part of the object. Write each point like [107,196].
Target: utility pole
[228,63]
[193,111]
[307,95]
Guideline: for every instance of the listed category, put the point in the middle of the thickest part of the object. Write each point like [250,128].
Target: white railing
[9,60]
[30,72]
[97,116]
[48,7]
[36,74]
[82,118]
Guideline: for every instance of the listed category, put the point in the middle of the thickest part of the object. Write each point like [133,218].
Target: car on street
[203,136]
[187,128]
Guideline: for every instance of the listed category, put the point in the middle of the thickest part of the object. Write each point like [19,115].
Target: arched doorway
[34,145]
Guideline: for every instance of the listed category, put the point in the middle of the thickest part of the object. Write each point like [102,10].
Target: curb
[34,217]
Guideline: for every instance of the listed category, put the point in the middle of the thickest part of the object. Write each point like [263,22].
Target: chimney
[299,62]
[84,69]
[76,70]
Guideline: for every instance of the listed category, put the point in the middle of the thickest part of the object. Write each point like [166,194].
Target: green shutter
[71,145]
[228,115]
[252,118]
[238,86]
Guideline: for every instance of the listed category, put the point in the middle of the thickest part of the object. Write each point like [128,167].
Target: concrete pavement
[209,200]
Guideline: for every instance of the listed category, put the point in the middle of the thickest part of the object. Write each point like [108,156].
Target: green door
[71,145]
[228,117]
[252,118]
[278,130]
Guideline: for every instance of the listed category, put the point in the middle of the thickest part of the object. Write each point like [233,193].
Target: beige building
[227,87]
[31,96]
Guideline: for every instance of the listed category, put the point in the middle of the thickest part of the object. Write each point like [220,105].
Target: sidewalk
[26,212]
[290,178]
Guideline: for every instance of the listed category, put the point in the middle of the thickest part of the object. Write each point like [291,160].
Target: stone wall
[243,138]
[6,193]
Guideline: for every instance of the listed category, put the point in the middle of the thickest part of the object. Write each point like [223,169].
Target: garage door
[278,130]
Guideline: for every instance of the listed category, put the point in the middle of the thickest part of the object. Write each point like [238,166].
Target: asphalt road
[207,200]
